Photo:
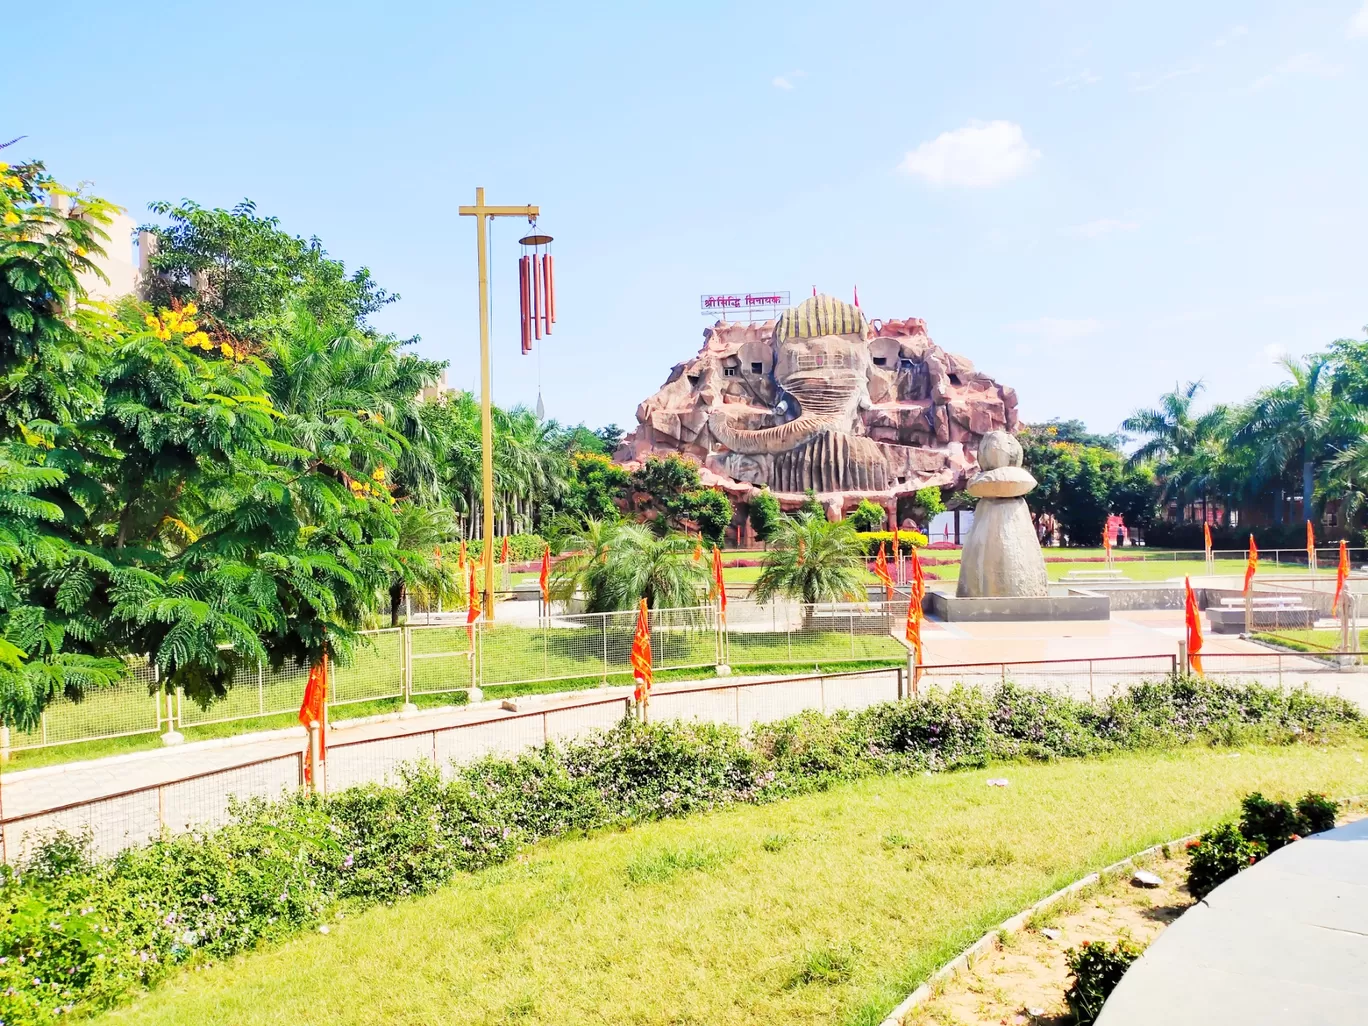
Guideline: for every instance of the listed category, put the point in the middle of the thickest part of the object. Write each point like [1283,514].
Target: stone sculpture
[1002,557]
[823,398]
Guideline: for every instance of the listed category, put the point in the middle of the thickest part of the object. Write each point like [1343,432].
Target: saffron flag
[472,606]
[719,587]
[914,621]
[641,653]
[314,709]
[1310,546]
[698,550]
[918,578]
[1206,537]
[503,554]
[544,578]
[1107,537]
[881,571]
[1192,619]
[1341,575]
[1251,564]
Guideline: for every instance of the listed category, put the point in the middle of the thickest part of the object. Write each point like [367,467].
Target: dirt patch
[1023,980]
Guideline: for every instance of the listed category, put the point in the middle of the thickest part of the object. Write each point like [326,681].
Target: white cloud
[1144,85]
[1102,226]
[1358,24]
[1301,64]
[788,80]
[1078,81]
[979,155]
[1058,330]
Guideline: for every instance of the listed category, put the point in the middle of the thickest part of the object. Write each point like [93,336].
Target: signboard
[721,303]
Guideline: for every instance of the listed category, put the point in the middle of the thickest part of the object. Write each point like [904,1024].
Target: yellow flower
[189,310]
[11,218]
[226,350]
[3,167]
[207,344]
[152,322]
[80,251]
[13,181]
[378,419]
[197,339]
[379,474]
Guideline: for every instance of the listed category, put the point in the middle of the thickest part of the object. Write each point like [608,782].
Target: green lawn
[1308,640]
[822,909]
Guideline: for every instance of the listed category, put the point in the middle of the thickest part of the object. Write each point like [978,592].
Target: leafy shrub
[867,516]
[1271,824]
[907,541]
[1317,812]
[283,866]
[1096,970]
[712,511]
[1217,856]
[764,513]
[929,502]
[812,506]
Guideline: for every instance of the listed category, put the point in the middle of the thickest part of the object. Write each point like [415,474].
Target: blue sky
[1090,200]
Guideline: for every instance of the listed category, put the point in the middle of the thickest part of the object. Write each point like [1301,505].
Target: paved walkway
[1285,943]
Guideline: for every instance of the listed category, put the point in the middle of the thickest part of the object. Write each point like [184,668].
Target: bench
[1264,611]
[1095,575]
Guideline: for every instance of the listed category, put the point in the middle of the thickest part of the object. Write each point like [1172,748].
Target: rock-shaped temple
[822,398]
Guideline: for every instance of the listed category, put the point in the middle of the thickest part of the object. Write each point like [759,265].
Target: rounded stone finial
[998,449]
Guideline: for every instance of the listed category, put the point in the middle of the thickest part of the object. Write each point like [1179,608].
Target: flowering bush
[1265,826]
[1096,970]
[78,934]
[1217,856]
[907,541]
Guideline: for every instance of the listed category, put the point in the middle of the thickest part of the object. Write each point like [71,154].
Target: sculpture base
[1061,604]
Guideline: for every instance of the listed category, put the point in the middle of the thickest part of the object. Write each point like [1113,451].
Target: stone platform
[1060,604]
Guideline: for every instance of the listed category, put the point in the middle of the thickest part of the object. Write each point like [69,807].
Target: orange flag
[1310,546]
[719,587]
[1251,564]
[1206,537]
[1341,575]
[503,555]
[641,653]
[314,708]
[1194,629]
[918,578]
[914,621]
[897,551]
[437,551]
[461,559]
[544,578]
[698,550]
[881,571]
[472,606]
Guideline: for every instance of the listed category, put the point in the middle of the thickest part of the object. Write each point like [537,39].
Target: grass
[798,912]
[1308,640]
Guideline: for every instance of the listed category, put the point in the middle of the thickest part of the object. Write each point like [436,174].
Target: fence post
[1181,660]
[1092,697]
[1004,672]
[161,808]
[603,622]
[901,694]
[261,688]
[315,733]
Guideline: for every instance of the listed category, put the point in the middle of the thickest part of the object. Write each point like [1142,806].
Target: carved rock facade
[821,398]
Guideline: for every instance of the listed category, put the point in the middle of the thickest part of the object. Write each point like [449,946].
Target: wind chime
[537,295]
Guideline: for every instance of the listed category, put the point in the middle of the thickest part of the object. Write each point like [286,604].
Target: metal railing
[446,658]
[202,800]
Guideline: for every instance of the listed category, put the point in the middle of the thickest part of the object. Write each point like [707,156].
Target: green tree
[243,272]
[812,506]
[1183,447]
[867,516]
[712,511]
[764,514]
[1293,425]
[614,565]
[811,559]
[929,504]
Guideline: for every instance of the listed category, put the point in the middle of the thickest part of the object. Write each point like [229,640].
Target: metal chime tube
[546,291]
[522,300]
[536,295]
[551,287]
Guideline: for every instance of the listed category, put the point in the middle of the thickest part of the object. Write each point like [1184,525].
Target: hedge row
[78,934]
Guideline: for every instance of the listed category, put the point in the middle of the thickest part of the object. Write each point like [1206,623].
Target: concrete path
[1285,942]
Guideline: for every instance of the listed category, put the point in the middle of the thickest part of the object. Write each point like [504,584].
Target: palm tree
[1185,449]
[422,570]
[1292,425]
[812,560]
[614,565]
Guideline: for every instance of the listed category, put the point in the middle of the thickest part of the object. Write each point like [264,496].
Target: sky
[1092,201]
